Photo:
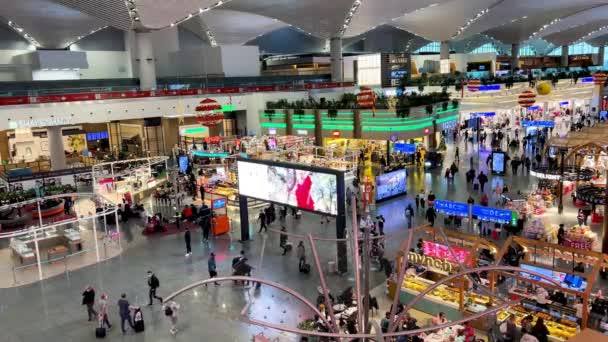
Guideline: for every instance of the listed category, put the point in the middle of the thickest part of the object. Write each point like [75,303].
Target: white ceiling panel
[113,12]
[237,28]
[321,18]
[442,21]
[575,20]
[51,24]
[568,36]
[373,13]
[530,15]
[157,14]
[599,40]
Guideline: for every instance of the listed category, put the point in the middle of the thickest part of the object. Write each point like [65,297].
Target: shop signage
[544,175]
[564,103]
[42,122]
[423,260]
[404,148]
[219,203]
[97,136]
[587,80]
[272,131]
[495,215]
[489,87]
[335,133]
[302,132]
[537,107]
[452,208]
[529,123]
[393,138]
[483,114]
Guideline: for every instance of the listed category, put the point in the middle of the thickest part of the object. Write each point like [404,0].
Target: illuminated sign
[587,80]
[495,215]
[452,208]
[272,131]
[335,134]
[43,122]
[219,203]
[483,114]
[489,87]
[210,154]
[442,252]
[404,148]
[302,132]
[564,103]
[428,261]
[97,136]
[529,123]
[544,175]
[444,66]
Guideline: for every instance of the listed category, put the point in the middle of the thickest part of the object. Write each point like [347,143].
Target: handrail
[122,95]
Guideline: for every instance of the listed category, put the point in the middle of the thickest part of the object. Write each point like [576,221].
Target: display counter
[539,230]
[558,319]
[581,237]
[58,242]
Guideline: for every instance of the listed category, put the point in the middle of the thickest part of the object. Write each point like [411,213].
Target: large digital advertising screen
[307,190]
[498,162]
[440,251]
[390,184]
[569,281]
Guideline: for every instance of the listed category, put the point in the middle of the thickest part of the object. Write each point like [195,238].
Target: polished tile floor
[51,310]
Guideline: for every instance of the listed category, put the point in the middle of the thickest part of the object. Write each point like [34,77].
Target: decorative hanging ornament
[473,85]
[526,99]
[599,78]
[208,113]
[366,97]
[543,88]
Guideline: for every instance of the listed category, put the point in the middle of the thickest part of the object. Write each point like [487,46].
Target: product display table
[443,334]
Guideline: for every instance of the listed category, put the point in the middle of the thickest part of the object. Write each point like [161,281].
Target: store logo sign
[423,260]
[43,122]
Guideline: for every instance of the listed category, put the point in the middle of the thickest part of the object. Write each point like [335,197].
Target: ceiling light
[349,17]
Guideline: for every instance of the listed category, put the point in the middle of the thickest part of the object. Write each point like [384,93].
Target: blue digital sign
[529,123]
[404,148]
[587,80]
[489,87]
[452,208]
[183,164]
[494,214]
[483,114]
[97,135]
[219,203]
[534,108]
[564,103]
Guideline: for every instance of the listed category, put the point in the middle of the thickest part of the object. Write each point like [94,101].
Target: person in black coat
[431,215]
[188,240]
[153,285]
[88,299]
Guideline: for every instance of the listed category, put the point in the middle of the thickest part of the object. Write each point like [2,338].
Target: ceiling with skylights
[60,23]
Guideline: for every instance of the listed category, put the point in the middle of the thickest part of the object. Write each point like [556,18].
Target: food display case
[560,320]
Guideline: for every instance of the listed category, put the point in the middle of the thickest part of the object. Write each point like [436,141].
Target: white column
[444,50]
[600,56]
[514,56]
[444,57]
[145,60]
[335,50]
[56,148]
[564,56]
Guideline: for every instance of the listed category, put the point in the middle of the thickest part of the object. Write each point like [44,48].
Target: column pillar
[444,54]
[564,56]
[335,51]
[56,148]
[145,61]
[318,128]
[289,122]
[600,56]
[514,56]
[357,123]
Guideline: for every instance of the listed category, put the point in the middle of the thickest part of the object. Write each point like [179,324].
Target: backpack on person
[305,268]
[138,321]
[168,311]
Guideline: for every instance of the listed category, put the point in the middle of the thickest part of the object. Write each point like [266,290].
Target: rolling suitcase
[100,332]
[305,268]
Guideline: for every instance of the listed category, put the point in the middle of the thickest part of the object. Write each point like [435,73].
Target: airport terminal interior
[280,170]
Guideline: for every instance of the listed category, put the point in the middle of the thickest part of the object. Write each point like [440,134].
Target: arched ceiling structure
[58,23]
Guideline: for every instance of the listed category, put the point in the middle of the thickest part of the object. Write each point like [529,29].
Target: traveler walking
[283,240]
[409,215]
[171,309]
[154,284]
[103,312]
[301,253]
[431,215]
[262,219]
[88,299]
[188,240]
[212,267]
[124,311]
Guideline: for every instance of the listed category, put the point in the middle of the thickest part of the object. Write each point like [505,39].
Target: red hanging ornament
[208,113]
